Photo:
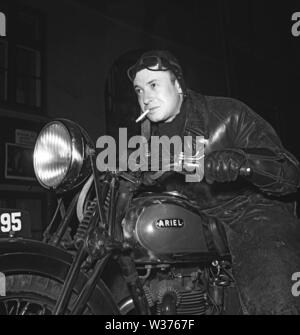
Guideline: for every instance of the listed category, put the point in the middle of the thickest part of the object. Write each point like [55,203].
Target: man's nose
[148,97]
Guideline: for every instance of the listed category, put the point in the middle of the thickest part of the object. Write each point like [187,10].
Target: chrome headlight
[59,159]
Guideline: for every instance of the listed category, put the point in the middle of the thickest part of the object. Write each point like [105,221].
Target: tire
[33,295]
[36,271]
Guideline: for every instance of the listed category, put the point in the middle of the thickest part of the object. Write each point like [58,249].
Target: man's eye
[138,91]
[153,85]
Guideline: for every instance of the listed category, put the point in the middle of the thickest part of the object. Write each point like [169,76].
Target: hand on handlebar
[225,166]
[219,166]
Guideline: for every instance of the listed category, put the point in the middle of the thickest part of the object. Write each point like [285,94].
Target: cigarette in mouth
[142,116]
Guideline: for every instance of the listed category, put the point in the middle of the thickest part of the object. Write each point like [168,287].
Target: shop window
[22,59]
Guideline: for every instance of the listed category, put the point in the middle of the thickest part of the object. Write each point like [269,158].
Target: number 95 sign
[10,222]
[15,223]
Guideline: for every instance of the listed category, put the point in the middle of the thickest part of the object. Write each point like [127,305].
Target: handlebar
[244,171]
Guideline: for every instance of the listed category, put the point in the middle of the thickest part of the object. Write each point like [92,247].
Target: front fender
[19,256]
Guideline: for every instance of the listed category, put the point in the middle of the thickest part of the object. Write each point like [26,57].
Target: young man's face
[157,92]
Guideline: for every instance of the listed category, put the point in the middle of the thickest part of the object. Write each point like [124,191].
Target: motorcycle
[115,247]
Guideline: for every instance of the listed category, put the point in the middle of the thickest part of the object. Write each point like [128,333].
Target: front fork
[134,285]
[112,245]
[129,273]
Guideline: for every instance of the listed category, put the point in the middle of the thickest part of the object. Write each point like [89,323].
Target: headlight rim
[79,141]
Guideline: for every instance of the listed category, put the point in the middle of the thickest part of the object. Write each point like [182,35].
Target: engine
[175,254]
[186,291]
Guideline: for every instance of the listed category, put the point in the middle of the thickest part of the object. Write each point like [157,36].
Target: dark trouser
[264,240]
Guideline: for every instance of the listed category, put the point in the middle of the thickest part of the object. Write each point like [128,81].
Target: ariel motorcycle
[114,247]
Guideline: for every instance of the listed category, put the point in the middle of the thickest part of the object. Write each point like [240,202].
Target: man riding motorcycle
[261,229]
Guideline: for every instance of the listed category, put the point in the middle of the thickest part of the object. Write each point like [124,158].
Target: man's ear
[177,85]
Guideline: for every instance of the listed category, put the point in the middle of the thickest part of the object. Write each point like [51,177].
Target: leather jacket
[230,124]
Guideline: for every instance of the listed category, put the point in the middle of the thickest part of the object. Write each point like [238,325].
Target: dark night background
[250,39]
[68,59]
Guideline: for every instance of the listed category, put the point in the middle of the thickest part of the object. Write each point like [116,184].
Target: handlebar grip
[245,170]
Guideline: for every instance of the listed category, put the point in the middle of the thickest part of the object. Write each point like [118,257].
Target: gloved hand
[223,166]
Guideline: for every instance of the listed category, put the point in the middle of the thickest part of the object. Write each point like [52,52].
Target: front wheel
[28,294]
[35,273]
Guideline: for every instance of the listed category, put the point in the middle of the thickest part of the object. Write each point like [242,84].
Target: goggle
[148,62]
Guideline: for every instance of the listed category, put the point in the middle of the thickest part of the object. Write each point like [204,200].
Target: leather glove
[223,166]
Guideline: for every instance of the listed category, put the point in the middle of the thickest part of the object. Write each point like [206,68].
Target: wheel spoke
[25,308]
[4,308]
[42,311]
[18,306]
[10,312]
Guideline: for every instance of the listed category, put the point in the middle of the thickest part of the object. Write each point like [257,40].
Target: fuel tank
[166,225]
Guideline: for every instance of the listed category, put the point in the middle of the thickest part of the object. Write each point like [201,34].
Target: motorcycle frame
[127,266]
